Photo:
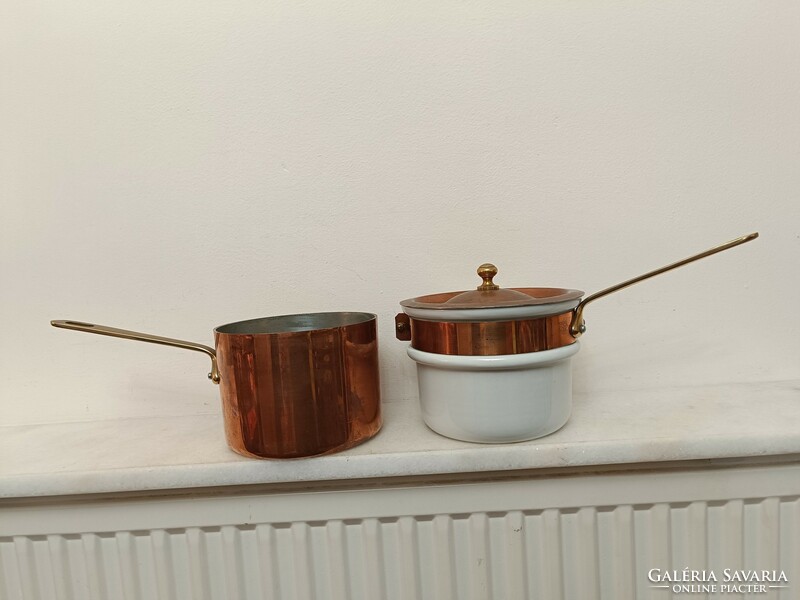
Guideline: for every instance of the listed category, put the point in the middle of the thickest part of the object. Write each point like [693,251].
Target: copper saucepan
[292,385]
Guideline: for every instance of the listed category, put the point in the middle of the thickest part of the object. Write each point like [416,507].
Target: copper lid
[490,295]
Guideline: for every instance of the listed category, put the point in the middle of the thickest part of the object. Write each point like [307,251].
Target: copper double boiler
[291,386]
[494,364]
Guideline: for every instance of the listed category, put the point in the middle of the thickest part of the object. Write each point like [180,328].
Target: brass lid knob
[487,271]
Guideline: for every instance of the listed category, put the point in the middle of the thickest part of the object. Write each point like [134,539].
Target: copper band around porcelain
[492,338]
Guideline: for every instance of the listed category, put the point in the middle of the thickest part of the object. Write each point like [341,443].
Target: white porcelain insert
[496,399]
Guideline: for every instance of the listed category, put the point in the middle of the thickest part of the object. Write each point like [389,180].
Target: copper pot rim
[297,323]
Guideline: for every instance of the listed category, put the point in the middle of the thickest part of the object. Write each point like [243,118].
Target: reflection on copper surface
[492,338]
[302,393]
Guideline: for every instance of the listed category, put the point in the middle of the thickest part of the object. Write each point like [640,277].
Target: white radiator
[580,552]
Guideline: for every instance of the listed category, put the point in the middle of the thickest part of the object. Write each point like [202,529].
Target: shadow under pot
[292,386]
[494,365]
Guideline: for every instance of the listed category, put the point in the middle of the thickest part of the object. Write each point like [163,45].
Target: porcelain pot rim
[497,362]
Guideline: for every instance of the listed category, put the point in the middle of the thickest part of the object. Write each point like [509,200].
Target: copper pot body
[299,385]
[488,338]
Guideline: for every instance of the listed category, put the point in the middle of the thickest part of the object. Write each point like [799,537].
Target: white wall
[170,167]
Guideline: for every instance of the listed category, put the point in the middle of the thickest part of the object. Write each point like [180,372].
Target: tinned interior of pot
[295,323]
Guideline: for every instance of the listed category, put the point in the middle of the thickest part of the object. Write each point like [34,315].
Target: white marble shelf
[606,428]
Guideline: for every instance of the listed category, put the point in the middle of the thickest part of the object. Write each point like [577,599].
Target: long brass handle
[577,326]
[143,337]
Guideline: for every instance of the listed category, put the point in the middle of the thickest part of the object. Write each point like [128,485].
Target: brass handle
[143,337]
[577,326]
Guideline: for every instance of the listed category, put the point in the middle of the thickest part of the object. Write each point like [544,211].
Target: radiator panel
[581,553]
